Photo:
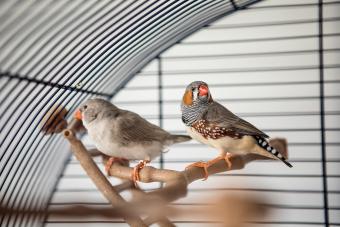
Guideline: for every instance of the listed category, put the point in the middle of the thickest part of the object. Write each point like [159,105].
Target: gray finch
[124,134]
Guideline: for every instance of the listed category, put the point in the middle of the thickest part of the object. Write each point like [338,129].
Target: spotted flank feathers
[265,145]
[213,131]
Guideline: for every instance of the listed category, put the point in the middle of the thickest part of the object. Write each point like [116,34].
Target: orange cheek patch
[187,98]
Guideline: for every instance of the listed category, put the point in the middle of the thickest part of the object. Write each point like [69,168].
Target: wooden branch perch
[232,210]
[97,177]
[176,183]
[54,120]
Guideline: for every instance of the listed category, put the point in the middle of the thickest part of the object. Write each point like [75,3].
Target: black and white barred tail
[265,145]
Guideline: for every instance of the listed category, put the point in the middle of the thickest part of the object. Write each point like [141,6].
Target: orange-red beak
[77,115]
[203,90]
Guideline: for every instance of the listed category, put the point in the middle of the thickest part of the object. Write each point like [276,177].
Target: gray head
[196,92]
[195,101]
[94,109]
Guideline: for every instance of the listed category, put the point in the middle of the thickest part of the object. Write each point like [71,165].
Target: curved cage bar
[58,53]
[275,64]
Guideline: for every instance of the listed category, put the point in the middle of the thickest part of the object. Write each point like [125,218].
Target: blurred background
[274,63]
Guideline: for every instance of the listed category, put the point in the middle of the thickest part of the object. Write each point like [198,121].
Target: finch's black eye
[85,107]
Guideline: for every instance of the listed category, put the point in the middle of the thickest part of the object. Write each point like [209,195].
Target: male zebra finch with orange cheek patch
[211,123]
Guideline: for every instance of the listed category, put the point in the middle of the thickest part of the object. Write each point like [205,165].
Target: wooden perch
[97,177]
[54,120]
[229,209]
[176,183]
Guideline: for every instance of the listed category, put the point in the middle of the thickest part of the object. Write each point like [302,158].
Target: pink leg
[137,169]
[111,161]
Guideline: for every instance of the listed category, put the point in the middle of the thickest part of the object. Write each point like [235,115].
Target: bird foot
[111,161]
[225,157]
[206,165]
[203,165]
[136,170]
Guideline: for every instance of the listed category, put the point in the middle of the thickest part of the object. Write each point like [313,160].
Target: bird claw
[136,170]
[222,157]
[111,161]
[203,165]
[227,160]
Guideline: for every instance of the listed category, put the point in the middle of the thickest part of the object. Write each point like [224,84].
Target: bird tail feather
[179,138]
[263,143]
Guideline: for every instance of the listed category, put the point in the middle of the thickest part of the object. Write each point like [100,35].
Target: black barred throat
[190,114]
[266,146]
[213,131]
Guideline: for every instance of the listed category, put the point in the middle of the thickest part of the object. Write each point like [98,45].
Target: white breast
[226,144]
[197,136]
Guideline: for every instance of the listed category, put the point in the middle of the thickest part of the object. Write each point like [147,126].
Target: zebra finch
[212,124]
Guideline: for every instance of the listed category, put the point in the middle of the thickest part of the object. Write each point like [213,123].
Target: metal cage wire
[67,51]
[62,52]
